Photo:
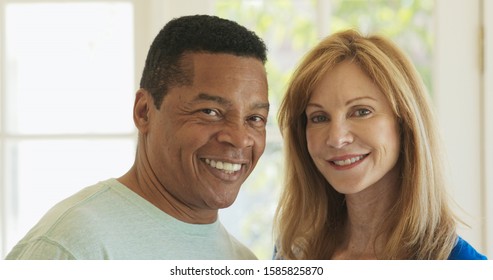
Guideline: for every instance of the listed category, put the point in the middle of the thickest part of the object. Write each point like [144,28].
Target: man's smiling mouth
[227,167]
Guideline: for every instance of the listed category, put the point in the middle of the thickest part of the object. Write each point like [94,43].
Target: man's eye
[258,120]
[210,112]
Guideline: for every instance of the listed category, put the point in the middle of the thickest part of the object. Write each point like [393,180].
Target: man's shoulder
[74,222]
[79,204]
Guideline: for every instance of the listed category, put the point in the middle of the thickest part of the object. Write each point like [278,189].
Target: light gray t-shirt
[109,221]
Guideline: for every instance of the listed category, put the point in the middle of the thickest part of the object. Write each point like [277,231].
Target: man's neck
[154,192]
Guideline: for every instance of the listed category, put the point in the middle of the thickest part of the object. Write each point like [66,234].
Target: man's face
[207,137]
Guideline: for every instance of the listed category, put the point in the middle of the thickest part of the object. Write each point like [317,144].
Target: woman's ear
[142,106]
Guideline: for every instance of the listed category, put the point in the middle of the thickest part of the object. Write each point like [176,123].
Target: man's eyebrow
[209,97]
[261,105]
[223,101]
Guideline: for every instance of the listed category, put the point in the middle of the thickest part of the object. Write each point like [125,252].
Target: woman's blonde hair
[311,213]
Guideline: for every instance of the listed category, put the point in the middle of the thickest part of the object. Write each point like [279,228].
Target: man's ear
[142,107]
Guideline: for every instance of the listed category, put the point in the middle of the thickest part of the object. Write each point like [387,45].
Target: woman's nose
[339,135]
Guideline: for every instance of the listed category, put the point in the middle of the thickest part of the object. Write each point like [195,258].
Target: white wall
[458,91]
[488,128]
[152,15]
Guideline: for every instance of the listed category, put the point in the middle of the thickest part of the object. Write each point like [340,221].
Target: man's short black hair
[189,34]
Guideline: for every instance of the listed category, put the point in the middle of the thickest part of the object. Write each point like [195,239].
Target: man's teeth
[226,166]
[348,161]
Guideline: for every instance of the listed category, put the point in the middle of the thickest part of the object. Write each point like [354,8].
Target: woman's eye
[361,112]
[318,119]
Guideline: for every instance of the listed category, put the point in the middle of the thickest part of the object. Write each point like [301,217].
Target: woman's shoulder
[464,251]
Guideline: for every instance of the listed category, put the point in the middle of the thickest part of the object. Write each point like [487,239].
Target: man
[201,113]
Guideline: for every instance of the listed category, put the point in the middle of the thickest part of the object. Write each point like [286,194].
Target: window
[68,85]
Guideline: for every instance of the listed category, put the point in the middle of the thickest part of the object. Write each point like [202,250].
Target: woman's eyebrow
[359,98]
[312,104]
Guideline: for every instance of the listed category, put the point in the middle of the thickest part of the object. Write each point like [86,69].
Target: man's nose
[237,134]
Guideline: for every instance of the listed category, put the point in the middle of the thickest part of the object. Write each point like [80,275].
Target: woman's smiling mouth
[348,162]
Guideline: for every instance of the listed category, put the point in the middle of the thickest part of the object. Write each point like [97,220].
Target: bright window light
[69,89]
[69,68]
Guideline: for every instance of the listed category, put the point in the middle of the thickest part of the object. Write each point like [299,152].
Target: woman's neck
[367,212]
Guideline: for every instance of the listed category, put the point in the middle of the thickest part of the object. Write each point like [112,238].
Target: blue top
[461,251]
[464,251]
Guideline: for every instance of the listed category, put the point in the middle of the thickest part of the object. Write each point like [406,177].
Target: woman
[363,170]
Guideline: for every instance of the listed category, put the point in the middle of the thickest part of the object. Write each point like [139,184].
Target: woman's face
[352,132]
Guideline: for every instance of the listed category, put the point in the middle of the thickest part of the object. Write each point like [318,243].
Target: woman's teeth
[225,166]
[347,161]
